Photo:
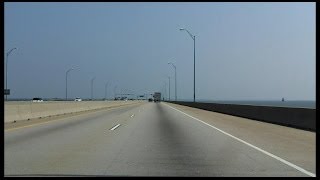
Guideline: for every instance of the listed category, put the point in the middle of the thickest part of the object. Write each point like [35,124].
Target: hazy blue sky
[244,51]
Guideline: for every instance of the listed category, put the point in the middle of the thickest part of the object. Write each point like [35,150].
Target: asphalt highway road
[155,139]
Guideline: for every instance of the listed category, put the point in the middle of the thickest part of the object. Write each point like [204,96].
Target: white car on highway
[77,99]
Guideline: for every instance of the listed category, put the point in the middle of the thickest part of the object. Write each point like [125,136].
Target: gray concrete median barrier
[301,118]
[26,110]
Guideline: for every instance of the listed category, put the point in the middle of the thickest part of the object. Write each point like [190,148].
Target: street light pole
[92,87]
[194,68]
[194,62]
[121,92]
[105,96]
[175,80]
[7,55]
[67,82]
[169,87]
[165,90]
[114,91]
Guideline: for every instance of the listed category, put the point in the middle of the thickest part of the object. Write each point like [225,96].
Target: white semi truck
[157,97]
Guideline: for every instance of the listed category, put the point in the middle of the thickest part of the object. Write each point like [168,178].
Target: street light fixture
[67,82]
[175,80]
[194,62]
[7,55]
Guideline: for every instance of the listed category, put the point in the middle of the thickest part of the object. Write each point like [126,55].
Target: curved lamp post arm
[8,53]
[192,36]
[172,65]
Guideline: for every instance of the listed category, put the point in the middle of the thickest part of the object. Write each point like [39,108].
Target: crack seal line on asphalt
[259,149]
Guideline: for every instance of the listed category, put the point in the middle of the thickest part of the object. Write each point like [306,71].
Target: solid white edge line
[261,150]
[115,127]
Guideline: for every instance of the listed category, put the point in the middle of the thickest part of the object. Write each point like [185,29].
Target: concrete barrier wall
[23,110]
[301,118]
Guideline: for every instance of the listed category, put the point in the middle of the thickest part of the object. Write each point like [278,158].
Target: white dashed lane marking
[115,127]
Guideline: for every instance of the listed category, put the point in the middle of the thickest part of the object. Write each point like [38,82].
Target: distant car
[77,99]
[150,99]
[37,100]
